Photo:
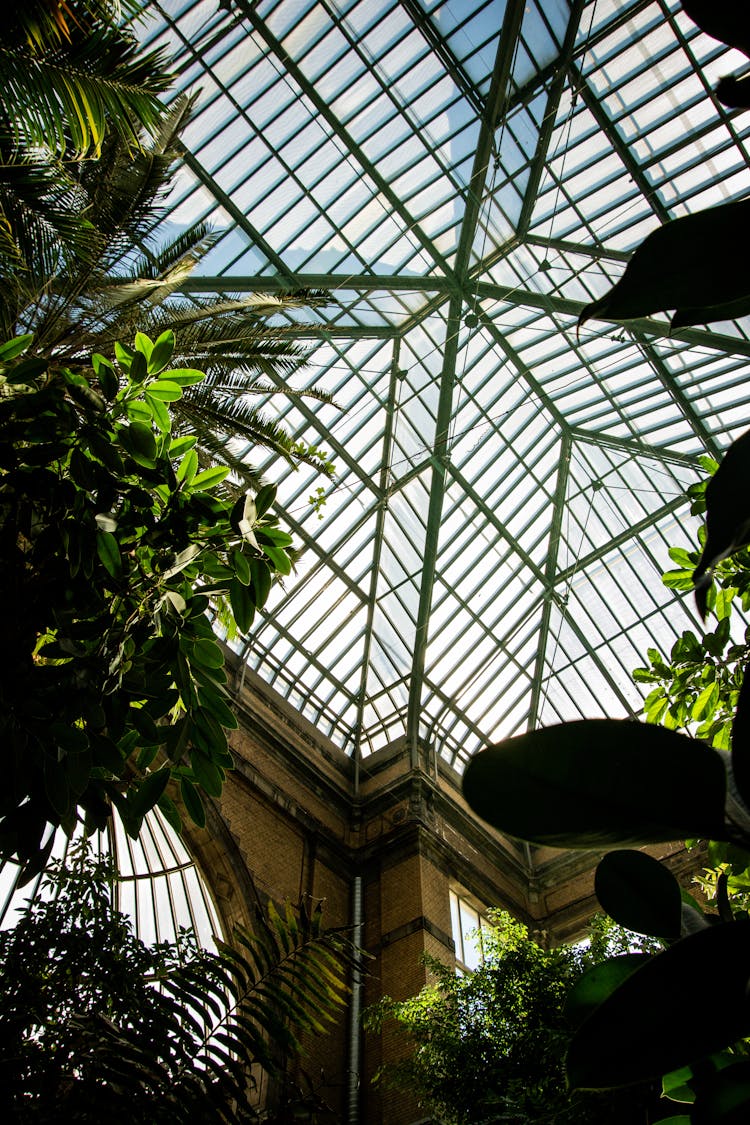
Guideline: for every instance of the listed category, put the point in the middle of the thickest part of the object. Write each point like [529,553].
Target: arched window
[159,885]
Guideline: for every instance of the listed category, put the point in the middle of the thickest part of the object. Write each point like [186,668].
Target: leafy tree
[112,544]
[94,1025]
[489,1046]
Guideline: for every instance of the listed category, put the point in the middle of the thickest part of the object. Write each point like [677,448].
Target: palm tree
[69,73]
[124,284]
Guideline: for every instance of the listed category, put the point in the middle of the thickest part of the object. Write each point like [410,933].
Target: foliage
[94,1025]
[689,264]
[70,75]
[489,1046]
[125,283]
[112,543]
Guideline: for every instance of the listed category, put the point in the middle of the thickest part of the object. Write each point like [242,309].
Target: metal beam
[679,398]
[634,170]
[497,103]
[565,246]
[549,119]
[352,147]
[616,541]
[385,468]
[635,448]
[447,286]
[550,567]
[441,48]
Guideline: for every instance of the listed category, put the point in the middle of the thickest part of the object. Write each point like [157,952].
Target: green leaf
[264,499]
[209,776]
[138,369]
[184,376]
[261,579]
[15,347]
[165,390]
[213,701]
[209,477]
[108,550]
[686,1002]
[149,791]
[159,412]
[26,371]
[140,443]
[639,893]
[162,352]
[188,467]
[180,444]
[243,604]
[281,561]
[241,567]
[599,782]
[105,373]
[206,652]
[144,344]
[597,983]
[192,802]
[170,812]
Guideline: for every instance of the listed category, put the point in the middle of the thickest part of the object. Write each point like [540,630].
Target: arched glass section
[159,887]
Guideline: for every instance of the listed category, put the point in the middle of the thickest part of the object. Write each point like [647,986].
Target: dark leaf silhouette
[727,514]
[598,782]
[690,1012]
[725,20]
[684,264]
[639,893]
[741,741]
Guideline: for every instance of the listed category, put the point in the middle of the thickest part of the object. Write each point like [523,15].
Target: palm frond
[66,98]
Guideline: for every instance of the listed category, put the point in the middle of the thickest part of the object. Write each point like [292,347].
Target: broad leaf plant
[114,546]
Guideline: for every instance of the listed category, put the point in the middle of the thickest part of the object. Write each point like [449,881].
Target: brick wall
[293,821]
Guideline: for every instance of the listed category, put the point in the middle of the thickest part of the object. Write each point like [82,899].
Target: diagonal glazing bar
[549,119]
[348,142]
[496,102]
[483,290]
[550,568]
[616,541]
[385,469]
[442,49]
[565,246]
[678,396]
[498,525]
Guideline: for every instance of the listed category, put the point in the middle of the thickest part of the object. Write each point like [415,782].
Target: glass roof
[460,177]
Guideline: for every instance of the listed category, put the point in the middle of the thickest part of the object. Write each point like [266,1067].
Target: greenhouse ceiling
[460,178]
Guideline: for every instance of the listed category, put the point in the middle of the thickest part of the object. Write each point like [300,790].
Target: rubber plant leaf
[741,741]
[697,260]
[594,986]
[727,515]
[725,20]
[639,893]
[598,783]
[689,1001]
[724,1098]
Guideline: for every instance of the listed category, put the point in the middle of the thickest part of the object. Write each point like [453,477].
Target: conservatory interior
[445,186]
